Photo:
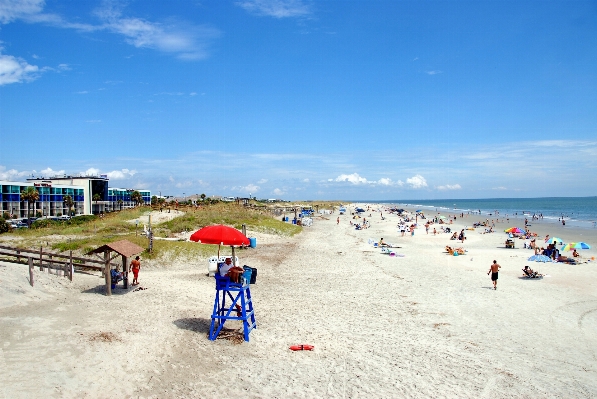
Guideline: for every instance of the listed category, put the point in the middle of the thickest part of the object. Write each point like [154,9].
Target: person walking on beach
[338,220]
[493,269]
[135,267]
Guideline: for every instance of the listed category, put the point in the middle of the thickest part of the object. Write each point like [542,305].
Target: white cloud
[91,172]
[499,188]
[12,174]
[306,180]
[16,70]
[49,172]
[277,191]
[11,10]
[449,187]
[417,181]
[352,178]
[250,188]
[262,181]
[433,72]
[82,92]
[187,42]
[355,178]
[121,174]
[276,8]
[94,121]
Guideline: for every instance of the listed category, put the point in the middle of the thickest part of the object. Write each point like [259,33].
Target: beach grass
[84,233]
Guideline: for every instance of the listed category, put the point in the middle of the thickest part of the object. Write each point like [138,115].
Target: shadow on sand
[196,324]
[101,289]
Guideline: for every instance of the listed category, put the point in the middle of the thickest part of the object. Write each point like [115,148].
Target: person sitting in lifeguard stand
[228,269]
[224,267]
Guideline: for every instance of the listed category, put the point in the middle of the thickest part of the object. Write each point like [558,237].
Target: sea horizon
[576,211]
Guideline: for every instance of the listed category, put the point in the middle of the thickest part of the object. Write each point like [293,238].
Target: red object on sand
[302,347]
[220,235]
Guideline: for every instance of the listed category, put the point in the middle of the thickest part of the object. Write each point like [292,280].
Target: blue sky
[303,99]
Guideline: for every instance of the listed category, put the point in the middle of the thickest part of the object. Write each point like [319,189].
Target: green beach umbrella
[576,245]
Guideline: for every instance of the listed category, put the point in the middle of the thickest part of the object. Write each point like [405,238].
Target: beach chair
[386,250]
[528,274]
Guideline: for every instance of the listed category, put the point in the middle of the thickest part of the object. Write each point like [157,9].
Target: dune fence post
[71,268]
[107,276]
[30,260]
[125,272]
[41,254]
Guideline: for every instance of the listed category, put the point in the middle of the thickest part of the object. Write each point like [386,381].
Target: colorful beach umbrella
[554,240]
[540,258]
[576,245]
[515,230]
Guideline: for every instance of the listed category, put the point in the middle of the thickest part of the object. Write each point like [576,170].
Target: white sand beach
[425,324]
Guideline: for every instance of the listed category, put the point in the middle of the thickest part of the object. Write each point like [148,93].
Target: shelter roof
[123,247]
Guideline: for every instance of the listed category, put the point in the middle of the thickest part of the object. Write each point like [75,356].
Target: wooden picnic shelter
[125,249]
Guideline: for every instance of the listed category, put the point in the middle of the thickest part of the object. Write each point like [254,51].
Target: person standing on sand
[135,267]
[493,269]
[338,220]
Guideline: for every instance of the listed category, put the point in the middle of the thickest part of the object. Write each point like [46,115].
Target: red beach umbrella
[220,235]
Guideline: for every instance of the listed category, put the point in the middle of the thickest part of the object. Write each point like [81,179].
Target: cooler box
[253,276]
[252,242]
[246,276]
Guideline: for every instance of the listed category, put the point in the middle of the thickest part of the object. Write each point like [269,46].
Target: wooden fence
[51,261]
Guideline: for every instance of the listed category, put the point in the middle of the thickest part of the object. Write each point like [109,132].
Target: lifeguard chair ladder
[240,308]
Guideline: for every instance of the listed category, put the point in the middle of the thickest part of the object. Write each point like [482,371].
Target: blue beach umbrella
[555,240]
[540,258]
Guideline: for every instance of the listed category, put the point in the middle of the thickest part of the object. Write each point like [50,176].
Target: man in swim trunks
[135,267]
[493,269]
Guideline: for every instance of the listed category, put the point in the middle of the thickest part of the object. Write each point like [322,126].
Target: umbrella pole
[218,252]
[233,257]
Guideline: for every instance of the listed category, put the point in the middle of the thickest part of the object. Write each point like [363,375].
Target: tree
[136,197]
[30,195]
[120,202]
[154,200]
[69,203]
[203,197]
[96,198]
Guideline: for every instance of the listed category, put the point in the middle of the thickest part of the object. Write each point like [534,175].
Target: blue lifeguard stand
[240,308]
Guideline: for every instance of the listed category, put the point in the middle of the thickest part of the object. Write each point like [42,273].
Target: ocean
[576,211]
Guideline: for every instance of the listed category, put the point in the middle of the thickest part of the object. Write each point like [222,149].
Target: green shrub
[83,219]
[4,226]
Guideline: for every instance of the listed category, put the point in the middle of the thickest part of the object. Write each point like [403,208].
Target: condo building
[90,195]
